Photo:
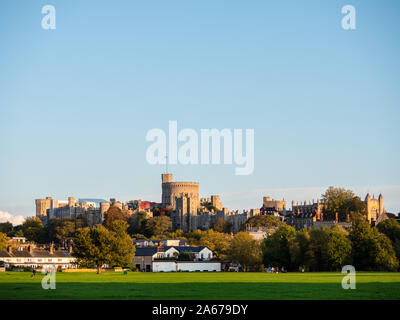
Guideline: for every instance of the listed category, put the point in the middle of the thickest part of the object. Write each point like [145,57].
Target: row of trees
[59,230]
[324,249]
[328,249]
[11,231]
[56,230]
[139,225]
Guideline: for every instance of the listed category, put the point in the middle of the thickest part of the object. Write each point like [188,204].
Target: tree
[353,206]
[123,248]
[137,223]
[391,228]
[33,229]
[80,222]
[113,214]
[212,208]
[266,221]
[301,255]
[177,234]
[318,245]
[386,259]
[335,200]
[98,245]
[322,249]
[158,226]
[338,248]
[18,232]
[276,247]
[59,230]
[194,237]
[65,230]
[217,242]
[245,250]
[3,241]
[7,228]
[186,256]
[371,250]
[220,225]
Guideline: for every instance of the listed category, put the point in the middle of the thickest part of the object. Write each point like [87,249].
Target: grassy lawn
[195,286]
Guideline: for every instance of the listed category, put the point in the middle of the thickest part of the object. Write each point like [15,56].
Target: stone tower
[374,207]
[174,190]
[71,202]
[42,205]
[380,199]
[166,177]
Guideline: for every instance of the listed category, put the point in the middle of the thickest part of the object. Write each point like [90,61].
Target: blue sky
[76,102]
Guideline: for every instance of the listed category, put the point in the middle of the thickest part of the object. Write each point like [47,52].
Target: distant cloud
[8,217]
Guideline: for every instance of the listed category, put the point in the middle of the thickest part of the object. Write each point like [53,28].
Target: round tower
[166,177]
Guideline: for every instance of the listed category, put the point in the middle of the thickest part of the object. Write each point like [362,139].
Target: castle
[92,210]
[188,212]
[183,196]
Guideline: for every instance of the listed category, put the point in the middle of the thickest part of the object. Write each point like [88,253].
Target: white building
[188,266]
[37,258]
[164,259]
[161,242]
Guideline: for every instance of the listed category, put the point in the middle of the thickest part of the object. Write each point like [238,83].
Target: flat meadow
[199,286]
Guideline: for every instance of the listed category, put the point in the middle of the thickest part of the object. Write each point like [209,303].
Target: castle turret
[104,206]
[71,201]
[166,177]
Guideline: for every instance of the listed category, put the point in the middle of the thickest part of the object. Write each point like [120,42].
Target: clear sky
[76,102]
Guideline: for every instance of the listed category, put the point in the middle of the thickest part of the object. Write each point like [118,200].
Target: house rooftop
[36,253]
[186,248]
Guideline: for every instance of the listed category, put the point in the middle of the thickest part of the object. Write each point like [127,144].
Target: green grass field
[197,286]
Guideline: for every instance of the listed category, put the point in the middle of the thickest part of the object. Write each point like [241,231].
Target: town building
[157,259]
[311,214]
[92,210]
[35,258]
[162,242]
